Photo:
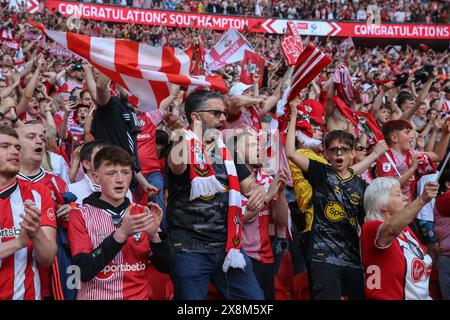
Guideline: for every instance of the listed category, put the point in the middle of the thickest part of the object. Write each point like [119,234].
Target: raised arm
[29,89]
[441,148]
[12,85]
[68,108]
[90,81]
[237,102]
[87,137]
[363,165]
[165,104]
[423,93]
[272,100]
[103,94]
[299,160]
[379,99]
[392,227]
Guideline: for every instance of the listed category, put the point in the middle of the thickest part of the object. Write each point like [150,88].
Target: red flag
[345,110]
[252,63]
[309,64]
[199,59]
[373,130]
[291,45]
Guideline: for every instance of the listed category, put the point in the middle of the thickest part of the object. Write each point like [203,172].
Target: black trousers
[265,274]
[331,282]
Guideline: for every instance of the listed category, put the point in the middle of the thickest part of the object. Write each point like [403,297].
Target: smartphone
[73,99]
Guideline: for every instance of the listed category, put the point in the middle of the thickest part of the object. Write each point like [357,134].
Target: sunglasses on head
[343,150]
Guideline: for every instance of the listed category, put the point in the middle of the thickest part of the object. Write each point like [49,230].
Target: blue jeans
[157,179]
[192,272]
[444,276]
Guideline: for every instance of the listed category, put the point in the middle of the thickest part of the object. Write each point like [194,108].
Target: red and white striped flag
[143,70]
[309,64]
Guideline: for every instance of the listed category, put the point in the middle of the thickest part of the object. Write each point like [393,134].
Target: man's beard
[9,174]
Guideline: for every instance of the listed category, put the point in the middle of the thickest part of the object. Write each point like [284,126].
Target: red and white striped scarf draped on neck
[204,183]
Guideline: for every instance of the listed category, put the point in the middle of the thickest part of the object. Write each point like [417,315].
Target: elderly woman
[396,264]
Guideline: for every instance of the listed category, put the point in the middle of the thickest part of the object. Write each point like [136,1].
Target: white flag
[230,49]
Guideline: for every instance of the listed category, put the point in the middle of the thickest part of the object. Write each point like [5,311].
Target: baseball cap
[238,89]
[366,86]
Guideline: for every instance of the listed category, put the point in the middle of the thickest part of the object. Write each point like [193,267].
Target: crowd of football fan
[88,180]
[392,11]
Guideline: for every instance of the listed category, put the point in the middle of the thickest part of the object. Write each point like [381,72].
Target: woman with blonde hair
[396,264]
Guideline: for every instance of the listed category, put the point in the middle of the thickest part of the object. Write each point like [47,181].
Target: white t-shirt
[60,167]
[426,213]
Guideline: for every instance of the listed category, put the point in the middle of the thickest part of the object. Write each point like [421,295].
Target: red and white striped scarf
[204,183]
[309,64]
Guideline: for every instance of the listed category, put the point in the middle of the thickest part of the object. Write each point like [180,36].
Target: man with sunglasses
[204,206]
[333,256]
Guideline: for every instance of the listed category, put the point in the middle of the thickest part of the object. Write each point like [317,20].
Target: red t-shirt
[19,273]
[146,140]
[400,271]
[125,277]
[56,184]
[255,234]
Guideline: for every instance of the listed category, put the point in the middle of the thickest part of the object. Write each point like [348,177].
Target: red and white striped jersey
[385,168]
[255,234]
[19,275]
[446,106]
[124,278]
[57,185]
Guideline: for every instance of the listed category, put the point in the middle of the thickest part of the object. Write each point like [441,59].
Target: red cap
[315,110]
